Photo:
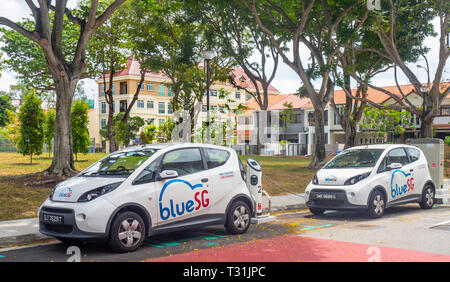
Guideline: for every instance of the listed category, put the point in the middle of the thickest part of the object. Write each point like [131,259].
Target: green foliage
[386,121]
[49,129]
[32,120]
[149,134]
[165,130]
[80,131]
[5,106]
[127,131]
[447,140]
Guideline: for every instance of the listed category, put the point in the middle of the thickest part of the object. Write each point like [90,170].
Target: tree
[411,21]
[80,131]
[169,38]
[315,25]
[149,134]
[386,121]
[5,106]
[165,130]
[127,131]
[32,120]
[66,68]
[49,129]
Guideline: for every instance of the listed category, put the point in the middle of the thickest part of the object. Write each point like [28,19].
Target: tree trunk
[62,163]
[426,127]
[350,135]
[111,133]
[319,154]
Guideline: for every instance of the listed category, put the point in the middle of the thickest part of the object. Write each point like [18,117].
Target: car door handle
[411,170]
[205,180]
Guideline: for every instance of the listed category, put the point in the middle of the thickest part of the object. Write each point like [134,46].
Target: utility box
[433,148]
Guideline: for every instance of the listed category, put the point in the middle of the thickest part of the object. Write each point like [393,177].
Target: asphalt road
[402,229]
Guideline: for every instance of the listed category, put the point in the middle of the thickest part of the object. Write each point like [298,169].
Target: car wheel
[127,232]
[316,211]
[427,201]
[238,218]
[377,204]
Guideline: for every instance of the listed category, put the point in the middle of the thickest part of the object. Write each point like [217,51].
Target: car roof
[380,146]
[160,146]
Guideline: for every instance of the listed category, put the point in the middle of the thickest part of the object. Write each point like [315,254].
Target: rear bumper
[337,201]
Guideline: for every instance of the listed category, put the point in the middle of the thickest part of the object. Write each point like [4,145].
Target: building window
[161,121]
[169,108]
[113,90]
[123,106]
[142,85]
[161,90]
[114,106]
[237,95]
[103,123]
[149,104]
[140,104]
[149,86]
[445,111]
[213,92]
[123,88]
[103,108]
[169,91]
[325,116]
[161,107]
[249,96]
[102,89]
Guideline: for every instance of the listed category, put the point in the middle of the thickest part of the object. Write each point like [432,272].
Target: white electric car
[141,191]
[371,178]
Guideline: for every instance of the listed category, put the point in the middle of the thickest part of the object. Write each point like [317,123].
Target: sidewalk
[21,231]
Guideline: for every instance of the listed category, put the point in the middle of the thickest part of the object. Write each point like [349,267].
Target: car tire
[238,218]
[428,197]
[316,211]
[128,232]
[377,205]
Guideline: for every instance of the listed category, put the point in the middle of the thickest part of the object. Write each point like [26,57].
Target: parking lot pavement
[405,233]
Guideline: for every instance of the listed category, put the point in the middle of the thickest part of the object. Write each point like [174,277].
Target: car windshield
[355,158]
[119,164]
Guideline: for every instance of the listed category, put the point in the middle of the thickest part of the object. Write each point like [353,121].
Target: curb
[21,239]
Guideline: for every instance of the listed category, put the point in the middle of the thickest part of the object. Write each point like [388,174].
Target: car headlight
[89,196]
[315,180]
[357,178]
[51,194]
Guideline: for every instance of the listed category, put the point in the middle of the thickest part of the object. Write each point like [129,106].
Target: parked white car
[141,191]
[372,178]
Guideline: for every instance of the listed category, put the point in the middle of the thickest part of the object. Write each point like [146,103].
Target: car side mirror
[168,174]
[394,166]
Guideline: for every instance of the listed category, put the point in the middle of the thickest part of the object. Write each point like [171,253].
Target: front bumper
[331,199]
[82,221]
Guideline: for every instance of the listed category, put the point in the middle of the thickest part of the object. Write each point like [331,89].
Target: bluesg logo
[178,209]
[373,5]
[402,184]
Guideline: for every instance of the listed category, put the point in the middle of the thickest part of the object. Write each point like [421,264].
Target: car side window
[397,156]
[183,161]
[383,165]
[216,157]
[413,154]
[149,173]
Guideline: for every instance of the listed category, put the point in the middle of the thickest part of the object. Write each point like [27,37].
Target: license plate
[54,219]
[326,196]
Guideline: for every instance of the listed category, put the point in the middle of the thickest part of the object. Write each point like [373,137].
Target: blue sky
[286,80]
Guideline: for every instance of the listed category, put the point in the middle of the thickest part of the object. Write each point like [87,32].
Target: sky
[286,80]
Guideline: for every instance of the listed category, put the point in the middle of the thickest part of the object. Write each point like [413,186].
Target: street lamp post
[207,56]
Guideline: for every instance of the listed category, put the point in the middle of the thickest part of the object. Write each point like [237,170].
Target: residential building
[154,102]
[300,129]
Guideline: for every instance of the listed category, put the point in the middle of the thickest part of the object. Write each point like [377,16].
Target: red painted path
[303,249]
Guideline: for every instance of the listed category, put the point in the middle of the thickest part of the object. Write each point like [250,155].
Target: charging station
[433,148]
[254,184]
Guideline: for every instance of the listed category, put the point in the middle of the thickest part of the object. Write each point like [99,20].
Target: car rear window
[413,154]
[216,157]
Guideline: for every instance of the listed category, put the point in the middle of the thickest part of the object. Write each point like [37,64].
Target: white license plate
[54,219]
[326,196]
